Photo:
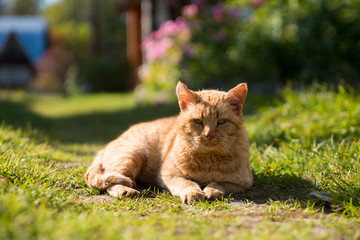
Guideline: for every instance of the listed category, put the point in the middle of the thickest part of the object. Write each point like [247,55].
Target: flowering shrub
[194,48]
[219,45]
[163,52]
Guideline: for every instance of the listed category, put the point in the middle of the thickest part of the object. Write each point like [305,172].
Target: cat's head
[211,119]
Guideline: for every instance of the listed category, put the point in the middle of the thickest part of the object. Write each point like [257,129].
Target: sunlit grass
[305,157]
[51,106]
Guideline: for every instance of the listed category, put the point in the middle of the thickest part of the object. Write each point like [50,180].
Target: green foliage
[104,73]
[260,41]
[315,114]
[302,40]
[103,70]
[213,56]
[78,35]
[20,7]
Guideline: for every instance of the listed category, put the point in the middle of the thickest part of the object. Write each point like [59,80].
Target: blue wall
[30,32]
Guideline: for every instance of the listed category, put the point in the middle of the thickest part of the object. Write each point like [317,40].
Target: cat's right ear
[184,95]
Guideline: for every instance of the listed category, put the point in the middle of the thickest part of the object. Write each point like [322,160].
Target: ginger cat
[201,154]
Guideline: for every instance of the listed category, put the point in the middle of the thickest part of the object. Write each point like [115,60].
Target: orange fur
[203,153]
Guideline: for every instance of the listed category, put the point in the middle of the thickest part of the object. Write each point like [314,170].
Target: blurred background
[74,74]
[84,46]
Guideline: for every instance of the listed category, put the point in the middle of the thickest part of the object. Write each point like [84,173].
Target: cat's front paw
[121,191]
[192,196]
[212,193]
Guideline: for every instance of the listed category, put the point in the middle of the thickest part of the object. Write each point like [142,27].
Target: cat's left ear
[237,95]
[184,95]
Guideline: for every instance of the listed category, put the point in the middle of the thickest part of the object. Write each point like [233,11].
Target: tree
[95,34]
[24,7]
[94,20]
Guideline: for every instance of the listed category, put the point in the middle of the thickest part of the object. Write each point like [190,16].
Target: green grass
[305,155]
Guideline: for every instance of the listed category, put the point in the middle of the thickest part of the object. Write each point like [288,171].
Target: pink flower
[190,10]
[155,50]
[147,43]
[182,25]
[158,43]
[170,28]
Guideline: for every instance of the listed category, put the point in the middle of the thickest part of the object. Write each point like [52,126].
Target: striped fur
[194,159]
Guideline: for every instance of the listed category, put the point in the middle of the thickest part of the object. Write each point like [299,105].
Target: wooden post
[133,40]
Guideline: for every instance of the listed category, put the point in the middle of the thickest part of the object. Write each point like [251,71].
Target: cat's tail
[95,171]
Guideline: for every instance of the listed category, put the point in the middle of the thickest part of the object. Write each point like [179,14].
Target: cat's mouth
[209,142]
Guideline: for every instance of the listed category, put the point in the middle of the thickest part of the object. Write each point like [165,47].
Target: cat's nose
[209,136]
[208,133]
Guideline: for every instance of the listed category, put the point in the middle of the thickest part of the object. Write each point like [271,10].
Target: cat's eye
[198,121]
[221,121]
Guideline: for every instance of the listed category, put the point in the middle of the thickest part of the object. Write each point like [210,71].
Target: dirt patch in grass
[97,198]
[66,165]
[3,180]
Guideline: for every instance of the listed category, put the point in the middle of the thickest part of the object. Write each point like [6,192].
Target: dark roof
[30,33]
[13,53]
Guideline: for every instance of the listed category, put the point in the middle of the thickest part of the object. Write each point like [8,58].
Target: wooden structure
[142,17]
[133,41]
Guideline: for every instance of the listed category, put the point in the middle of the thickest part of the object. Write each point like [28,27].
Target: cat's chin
[211,149]
[210,145]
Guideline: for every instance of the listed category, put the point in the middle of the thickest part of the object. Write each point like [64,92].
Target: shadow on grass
[103,127]
[266,188]
[278,187]
[17,115]
[97,127]
[285,187]
[88,128]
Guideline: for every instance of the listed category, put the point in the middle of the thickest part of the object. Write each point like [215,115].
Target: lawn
[305,156]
